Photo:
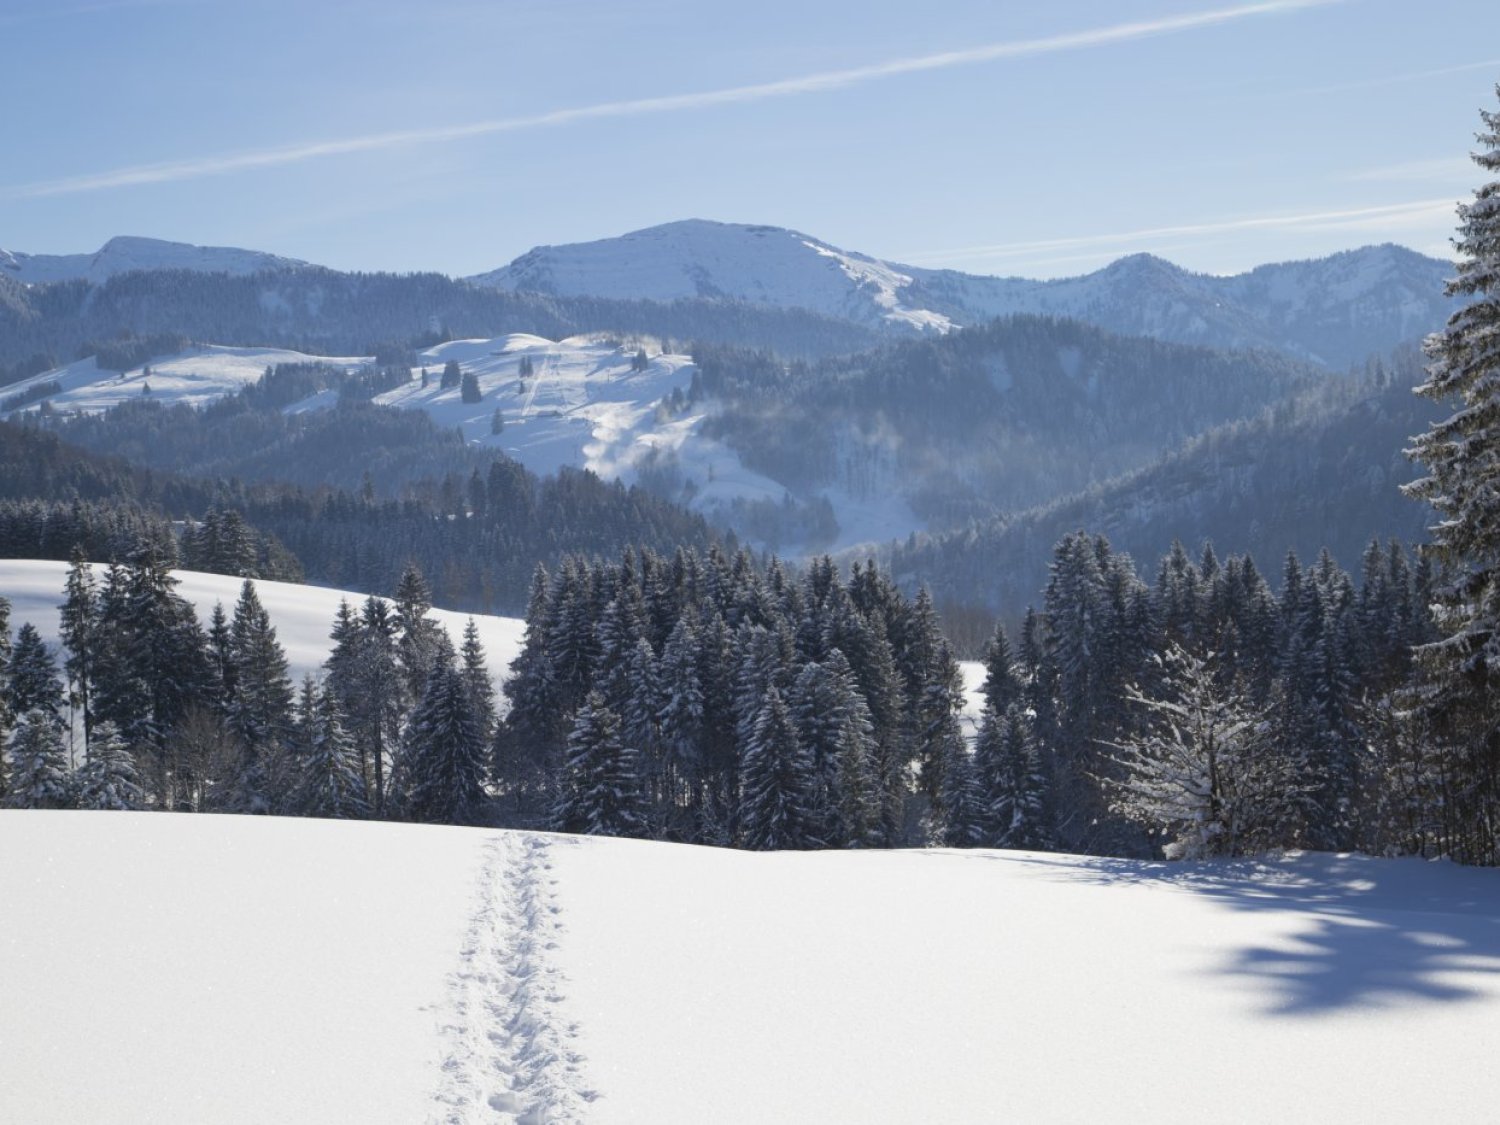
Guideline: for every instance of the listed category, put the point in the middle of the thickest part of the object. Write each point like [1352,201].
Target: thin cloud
[1441,168]
[1392,216]
[1392,79]
[171,171]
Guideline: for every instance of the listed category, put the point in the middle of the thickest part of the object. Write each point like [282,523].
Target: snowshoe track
[508,1051]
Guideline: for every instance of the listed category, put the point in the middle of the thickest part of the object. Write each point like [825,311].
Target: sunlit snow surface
[197,968]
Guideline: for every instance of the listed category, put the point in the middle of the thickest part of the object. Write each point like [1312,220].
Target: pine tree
[1011,781]
[601,792]
[39,777]
[442,765]
[476,677]
[776,803]
[33,685]
[79,631]
[109,779]
[961,804]
[331,782]
[418,636]
[1460,685]
[7,717]
[469,388]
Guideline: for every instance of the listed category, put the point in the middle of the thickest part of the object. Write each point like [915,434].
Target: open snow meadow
[226,969]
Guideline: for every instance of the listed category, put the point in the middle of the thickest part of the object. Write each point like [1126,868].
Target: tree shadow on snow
[1366,933]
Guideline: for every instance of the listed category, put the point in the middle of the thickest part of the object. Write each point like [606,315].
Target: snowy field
[196,968]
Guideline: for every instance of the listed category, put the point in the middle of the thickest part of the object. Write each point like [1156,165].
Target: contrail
[1354,217]
[170,171]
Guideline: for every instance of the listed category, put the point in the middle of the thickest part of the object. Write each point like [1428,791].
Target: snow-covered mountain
[172,967]
[127,253]
[697,258]
[1333,311]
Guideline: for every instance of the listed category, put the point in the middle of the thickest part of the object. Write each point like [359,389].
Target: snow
[584,408]
[175,967]
[698,258]
[126,253]
[302,615]
[195,377]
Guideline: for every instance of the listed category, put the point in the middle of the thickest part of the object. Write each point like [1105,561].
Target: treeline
[704,698]
[172,716]
[323,312]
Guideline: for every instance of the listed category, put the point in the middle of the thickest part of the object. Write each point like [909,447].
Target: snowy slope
[127,253]
[698,258]
[584,408]
[1335,311]
[192,378]
[302,615]
[240,969]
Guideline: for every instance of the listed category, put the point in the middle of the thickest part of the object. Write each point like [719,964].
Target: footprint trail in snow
[507,1049]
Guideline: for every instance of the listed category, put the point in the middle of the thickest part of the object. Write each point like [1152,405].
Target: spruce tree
[39,776]
[79,631]
[778,788]
[1460,686]
[33,684]
[331,782]
[109,779]
[476,677]
[442,765]
[600,791]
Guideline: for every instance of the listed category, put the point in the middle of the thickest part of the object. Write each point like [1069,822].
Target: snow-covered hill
[1335,311]
[239,969]
[127,253]
[584,407]
[194,377]
[302,615]
[697,258]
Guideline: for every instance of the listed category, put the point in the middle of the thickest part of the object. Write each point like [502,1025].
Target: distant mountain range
[1334,311]
[126,254]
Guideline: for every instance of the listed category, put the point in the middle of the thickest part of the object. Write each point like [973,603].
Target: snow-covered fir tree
[601,791]
[1459,692]
[32,684]
[331,784]
[39,775]
[778,787]
[442,766]
[109,779]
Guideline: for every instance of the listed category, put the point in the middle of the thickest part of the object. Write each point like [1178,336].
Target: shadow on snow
[1369,933]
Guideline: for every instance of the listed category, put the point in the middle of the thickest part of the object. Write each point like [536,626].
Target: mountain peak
[128,252]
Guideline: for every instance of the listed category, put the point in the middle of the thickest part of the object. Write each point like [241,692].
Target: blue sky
[1029,139]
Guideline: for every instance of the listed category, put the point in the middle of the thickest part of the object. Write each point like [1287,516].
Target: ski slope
[237,969]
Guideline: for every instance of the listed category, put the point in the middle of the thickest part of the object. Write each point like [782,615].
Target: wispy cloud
[1441,168]
[1393,216]
[171,171]
[1392,79]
